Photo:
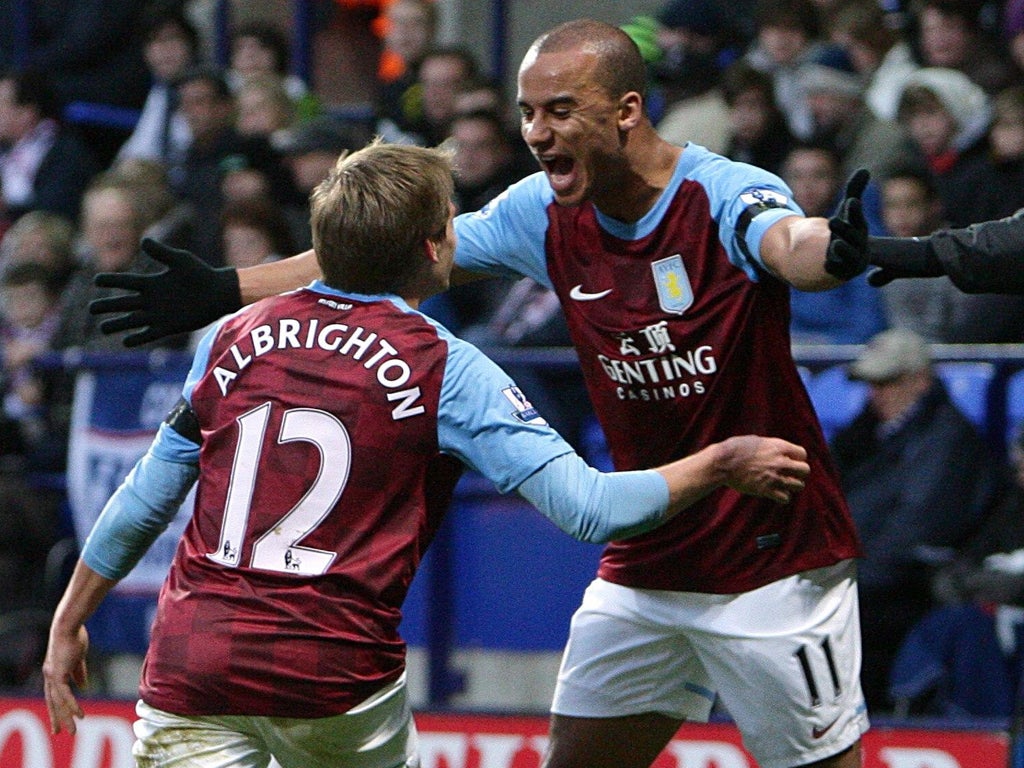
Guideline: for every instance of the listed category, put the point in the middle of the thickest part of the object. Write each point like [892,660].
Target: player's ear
[430,251]
[631,110]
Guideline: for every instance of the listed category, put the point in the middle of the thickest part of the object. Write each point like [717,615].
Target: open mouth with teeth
[560,171]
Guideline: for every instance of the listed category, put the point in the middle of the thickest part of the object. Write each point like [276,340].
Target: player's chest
[678,273]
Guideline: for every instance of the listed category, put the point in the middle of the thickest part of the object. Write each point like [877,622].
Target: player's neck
[644,178]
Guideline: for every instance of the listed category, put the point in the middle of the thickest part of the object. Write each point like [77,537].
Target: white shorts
[784,658]
[379,733]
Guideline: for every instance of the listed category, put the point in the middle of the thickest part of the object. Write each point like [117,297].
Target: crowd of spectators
[927,94]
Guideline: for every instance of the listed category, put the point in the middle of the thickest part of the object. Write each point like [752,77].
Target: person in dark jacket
[917,476]
[44,164]
[987,257]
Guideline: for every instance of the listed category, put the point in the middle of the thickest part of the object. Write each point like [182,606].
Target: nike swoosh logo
[817,732]
[579,294]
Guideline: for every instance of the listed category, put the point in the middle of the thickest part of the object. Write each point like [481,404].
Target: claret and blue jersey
[683,339]
[327,430]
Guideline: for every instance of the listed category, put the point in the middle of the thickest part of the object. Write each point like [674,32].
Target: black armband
[759,202]
[182,419]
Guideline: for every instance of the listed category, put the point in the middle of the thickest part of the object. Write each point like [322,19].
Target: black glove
[187,295]
[847,254]
[897,257]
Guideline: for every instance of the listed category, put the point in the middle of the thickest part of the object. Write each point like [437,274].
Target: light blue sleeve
[145,503]
[506,236]
[595,506]
[486,422]
[143,506]
[735,191]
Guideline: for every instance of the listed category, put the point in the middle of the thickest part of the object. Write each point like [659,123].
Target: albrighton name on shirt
[374,352]
[669,374]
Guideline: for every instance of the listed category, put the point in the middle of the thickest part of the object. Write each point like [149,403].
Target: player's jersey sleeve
[145,503]
[486,422]
[143,506]
[745,201]
[596,506]
[506,237]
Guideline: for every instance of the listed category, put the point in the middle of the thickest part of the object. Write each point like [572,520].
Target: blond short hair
[372,214]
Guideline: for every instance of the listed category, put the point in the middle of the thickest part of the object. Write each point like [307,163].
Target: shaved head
[620,67]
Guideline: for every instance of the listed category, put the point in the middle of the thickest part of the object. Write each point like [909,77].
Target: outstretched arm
[815,254]
[191,294]
[982,258]
[594,506]
[263,280]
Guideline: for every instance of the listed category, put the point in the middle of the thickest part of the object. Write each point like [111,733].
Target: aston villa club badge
[674,291]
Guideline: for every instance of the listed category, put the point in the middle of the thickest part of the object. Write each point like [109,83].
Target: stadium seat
[1014,404]
[836,398]
[968,384]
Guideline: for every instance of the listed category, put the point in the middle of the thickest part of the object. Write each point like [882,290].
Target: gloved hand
[187,295]
[847,254]
[897,257]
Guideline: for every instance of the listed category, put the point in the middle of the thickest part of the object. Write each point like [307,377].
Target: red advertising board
[105,737]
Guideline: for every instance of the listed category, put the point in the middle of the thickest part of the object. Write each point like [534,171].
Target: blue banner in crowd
[117,410]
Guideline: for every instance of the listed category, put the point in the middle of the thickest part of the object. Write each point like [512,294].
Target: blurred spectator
[840,117]
[484,164]
[164,217]
[254,231]
[965,657]
[882,58]
[409,30]
[949,34]
[996,181]
[40,237]
[219,162]
[916,474]
[29,315]
[485,94]
[788,38]
[92,52]
[853,312]
[43,165]
[429,105]
[947,117]
[171,47]
[758,133]
[694,37]
[260,49]
[482,94]
[264,108]
[483,158]
[933,307]
[309,151]
[112,225]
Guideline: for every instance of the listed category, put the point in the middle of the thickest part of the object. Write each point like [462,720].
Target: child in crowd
[29,315]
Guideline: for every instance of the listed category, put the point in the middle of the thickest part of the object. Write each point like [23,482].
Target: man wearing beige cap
[917,475]
[896,356]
